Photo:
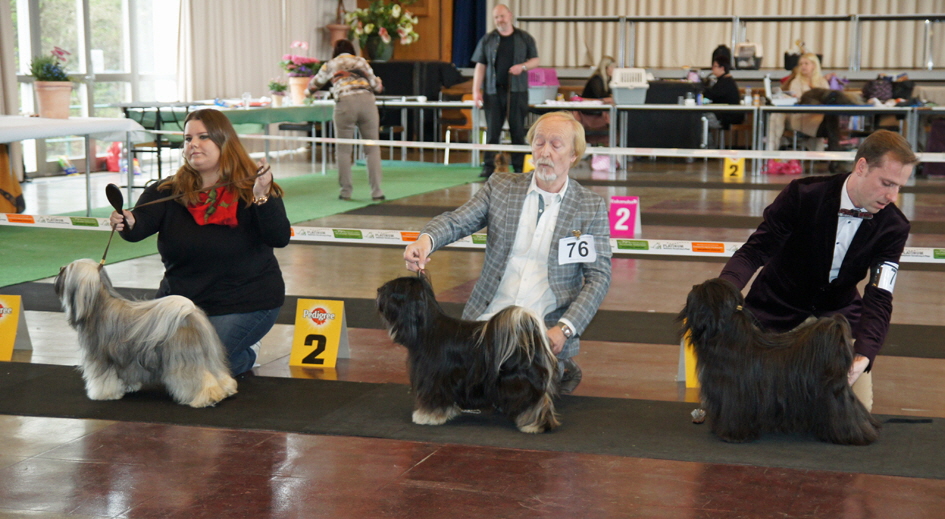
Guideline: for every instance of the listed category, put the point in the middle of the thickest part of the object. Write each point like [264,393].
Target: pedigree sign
[9,320]
[321,332]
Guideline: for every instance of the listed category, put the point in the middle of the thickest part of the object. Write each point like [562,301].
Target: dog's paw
[533,428]
[435,416]
[228,384]
[108,387]
[213,391]
[208,397]
[97,393]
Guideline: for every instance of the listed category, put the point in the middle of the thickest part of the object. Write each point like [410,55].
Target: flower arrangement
[299,66]
[383,19]
[277,87]
[50,68]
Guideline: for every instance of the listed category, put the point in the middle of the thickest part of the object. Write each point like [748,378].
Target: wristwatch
[524,68]
[566,330]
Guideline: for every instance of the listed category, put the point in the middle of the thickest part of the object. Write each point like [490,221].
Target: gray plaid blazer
[579,288]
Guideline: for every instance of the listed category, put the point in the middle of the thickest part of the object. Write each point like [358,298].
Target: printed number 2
[312,358]
[623,214]
[734,168]
[582,249]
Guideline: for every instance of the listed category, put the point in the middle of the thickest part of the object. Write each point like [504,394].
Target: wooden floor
[88,468]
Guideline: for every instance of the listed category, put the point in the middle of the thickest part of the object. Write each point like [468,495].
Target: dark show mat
[606,426]
[903,340]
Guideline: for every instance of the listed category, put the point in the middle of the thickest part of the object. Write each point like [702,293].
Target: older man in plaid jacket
[548,245]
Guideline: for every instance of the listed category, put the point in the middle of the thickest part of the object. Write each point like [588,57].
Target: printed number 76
[581,247]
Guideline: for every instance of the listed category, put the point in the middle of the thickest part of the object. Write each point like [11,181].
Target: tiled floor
[52,467]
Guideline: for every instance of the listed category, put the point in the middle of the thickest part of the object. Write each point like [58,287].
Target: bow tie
[856,214]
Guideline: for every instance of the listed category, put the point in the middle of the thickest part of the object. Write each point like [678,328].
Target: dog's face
[77,284]
[399,300]
[406,304]
[709,306]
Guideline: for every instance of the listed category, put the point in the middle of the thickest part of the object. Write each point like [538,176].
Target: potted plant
[299,69]
[53,86]
[376,25]
[277,88]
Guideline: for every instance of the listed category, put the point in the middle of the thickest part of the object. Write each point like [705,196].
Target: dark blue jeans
[240,331]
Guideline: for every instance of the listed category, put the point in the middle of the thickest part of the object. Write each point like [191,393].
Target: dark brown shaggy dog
[755,382]
[504,363]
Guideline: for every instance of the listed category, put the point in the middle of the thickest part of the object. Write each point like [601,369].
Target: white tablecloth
[17,128]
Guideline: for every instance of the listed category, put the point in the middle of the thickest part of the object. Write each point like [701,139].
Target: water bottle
[747,101]
[247,97]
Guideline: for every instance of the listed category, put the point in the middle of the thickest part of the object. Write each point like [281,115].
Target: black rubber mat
[608,426]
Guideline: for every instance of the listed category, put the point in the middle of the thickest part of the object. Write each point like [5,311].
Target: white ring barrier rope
[337,236]
[638,152]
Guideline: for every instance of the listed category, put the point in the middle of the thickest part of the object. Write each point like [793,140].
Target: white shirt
[525,281]
[846,229]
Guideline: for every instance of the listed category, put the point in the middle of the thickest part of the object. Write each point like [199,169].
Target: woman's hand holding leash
[120,221]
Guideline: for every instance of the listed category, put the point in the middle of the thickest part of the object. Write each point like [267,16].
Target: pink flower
[385,37]
[60,53]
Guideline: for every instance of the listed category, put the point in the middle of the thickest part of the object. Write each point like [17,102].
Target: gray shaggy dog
[127,344]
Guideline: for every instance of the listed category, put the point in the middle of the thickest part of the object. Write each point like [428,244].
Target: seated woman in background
[723,91]
[216,241]
[806,75]
[596,123]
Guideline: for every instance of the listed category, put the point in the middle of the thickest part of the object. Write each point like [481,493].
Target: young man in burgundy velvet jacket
[823,235]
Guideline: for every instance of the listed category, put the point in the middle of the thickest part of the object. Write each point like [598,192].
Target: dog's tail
[517,330]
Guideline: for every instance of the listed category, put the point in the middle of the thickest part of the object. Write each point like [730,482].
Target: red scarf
[216,207]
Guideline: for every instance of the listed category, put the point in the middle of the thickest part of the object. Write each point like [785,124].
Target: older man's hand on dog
[417,253]
[557,339]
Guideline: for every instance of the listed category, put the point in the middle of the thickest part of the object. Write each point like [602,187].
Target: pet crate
[542,85]
[629,86]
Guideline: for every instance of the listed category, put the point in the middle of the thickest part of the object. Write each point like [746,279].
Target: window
[121,51]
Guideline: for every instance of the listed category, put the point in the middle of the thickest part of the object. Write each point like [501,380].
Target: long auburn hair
[236,166]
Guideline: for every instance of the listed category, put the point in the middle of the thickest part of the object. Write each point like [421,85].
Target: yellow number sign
[734,169]
[13,332]
[321,334]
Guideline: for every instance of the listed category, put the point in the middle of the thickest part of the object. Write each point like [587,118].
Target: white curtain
[885,44]
[9,104]
[228,47]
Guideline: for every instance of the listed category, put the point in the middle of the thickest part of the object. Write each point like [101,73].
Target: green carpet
[30,254]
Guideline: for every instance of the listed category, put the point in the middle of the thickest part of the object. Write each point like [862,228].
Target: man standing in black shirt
[502,59]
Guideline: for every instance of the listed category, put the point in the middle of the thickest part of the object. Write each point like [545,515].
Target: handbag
[902,89]
[880,88]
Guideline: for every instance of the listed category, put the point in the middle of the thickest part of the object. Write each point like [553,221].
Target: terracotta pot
[53,98]
[297,87]
[277,100]
[337,31]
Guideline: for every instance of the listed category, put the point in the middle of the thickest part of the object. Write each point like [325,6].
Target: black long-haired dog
[755,382]
[504,363]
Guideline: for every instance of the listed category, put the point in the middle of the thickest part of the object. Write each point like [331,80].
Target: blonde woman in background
[805,76]
[597,87]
